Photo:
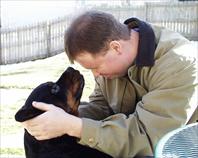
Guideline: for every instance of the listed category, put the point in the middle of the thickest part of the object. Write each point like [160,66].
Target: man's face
[109,64]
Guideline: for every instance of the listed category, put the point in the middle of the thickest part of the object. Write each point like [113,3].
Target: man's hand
[54,122]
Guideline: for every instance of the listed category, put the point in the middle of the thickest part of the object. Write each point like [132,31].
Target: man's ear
[116,46]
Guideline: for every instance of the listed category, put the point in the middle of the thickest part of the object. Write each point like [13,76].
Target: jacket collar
[147,45]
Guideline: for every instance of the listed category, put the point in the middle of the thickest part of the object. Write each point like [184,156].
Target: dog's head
[65,93]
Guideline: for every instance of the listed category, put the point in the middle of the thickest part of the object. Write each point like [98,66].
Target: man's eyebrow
[89,67]
[92,67]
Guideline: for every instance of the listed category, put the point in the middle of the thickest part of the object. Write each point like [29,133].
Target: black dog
[66,94]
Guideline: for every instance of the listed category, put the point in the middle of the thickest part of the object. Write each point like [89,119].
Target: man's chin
[112,77]
[109,77]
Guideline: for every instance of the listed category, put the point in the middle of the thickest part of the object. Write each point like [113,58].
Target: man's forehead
[88,60]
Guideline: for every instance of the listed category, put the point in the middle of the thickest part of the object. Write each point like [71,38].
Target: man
[146,86]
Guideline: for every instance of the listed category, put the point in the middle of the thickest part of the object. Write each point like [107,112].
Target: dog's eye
[55,89]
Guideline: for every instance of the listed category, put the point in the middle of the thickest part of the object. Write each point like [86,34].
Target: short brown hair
[91,32]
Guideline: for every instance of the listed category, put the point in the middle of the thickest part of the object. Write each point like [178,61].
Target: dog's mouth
[80,89]
[76,83]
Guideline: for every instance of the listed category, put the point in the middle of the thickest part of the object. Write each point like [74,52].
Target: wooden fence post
[48,39]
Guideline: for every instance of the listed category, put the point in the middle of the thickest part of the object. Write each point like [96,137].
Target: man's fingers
[42,106]
[40,137]
[28,123]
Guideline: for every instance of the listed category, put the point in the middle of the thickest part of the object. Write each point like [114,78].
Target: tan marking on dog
[72,103]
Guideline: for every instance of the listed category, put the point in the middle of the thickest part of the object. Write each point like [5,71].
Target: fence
[33,42]
[46,39]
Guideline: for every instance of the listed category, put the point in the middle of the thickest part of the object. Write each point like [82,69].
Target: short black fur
[71,82]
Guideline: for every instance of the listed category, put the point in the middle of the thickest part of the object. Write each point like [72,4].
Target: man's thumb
[42,106]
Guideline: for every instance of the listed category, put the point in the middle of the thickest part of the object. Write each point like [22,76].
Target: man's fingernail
[34,103]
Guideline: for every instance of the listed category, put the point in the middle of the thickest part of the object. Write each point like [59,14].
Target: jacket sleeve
[97,108]
[169,104]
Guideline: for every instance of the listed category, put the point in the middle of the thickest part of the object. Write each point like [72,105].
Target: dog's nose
[69,69]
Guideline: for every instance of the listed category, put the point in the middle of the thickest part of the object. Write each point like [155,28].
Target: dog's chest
[59,147]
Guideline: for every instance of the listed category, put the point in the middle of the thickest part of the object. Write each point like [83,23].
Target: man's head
[92,32]
[97,41]
[65,93]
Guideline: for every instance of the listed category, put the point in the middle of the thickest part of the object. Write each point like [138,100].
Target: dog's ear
[41,94]
[73,82]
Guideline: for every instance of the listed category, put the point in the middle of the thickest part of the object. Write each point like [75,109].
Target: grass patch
[30,74]
[11,101]
[17,82]
[12,151]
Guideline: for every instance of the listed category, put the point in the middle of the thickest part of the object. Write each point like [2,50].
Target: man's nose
[95,73]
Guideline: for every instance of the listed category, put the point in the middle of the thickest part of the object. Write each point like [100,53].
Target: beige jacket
[130,114]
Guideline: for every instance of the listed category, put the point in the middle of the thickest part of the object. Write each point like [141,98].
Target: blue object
[179,143]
